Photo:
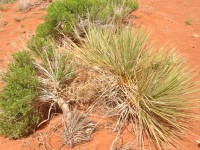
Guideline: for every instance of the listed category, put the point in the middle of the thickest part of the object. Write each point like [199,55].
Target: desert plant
[56,70]
[55,63]
[18,99]
[2,8]
[119,56]
[63,15]
[17,19]
[111,10]
[25,5]
[78,129]
[6,1]
[39,47]
[189,21]
[154,89]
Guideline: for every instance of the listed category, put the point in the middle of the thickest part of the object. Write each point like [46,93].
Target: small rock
[195,35]
[198,141]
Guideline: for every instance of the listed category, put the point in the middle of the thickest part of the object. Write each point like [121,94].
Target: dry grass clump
[55,70]
[85,88]
[2,7]
[6,1]
[153,89]
[78,129]
[56,73]
[26,5]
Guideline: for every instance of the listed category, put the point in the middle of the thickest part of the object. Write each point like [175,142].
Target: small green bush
[55,63]
[44,30]
[39,46]
[18,115]
[106,11]
[63,15]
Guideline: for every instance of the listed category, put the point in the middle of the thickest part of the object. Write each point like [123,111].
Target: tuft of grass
[121,55]
[17,19]
[2,8]
[111,10]
[22,26]
[6,1]
[56,64]
[62,16]
[18,99]
[153,89]
[78,129]
[23,5]
[189,21]
[100,11]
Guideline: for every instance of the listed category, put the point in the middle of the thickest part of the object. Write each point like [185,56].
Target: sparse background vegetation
[6,1]
[189,21]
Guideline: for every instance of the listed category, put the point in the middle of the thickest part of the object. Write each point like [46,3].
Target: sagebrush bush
[154,89]
[39,46]
[18,99]
[63,15]
[107,11]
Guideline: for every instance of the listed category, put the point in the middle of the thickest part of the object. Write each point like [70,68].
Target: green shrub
[39,46]
[106,11]
[63,15]
[19,115]
[44,30]
[154,89]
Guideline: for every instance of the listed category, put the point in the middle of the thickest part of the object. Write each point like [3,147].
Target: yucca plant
[116,49]
[78,129]
[54,62]
[55,69]
[152,88]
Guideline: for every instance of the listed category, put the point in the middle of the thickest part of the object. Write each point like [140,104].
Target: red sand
[166,19]
[18,26]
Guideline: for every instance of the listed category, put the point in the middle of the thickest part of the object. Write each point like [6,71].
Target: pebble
[195,35]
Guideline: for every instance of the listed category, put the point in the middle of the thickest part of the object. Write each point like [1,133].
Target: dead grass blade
[78,129]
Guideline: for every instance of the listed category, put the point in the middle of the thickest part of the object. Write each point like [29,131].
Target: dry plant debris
[78,129]
[27,5]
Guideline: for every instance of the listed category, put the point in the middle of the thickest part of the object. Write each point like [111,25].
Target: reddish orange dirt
[167,21]
[15,27]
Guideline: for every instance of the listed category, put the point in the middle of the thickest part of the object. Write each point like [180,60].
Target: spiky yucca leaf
[115,50]
[157,86]
[55,63]
[78,129]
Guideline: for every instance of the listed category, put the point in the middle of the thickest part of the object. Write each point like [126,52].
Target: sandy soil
[167,21]
[15,28]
